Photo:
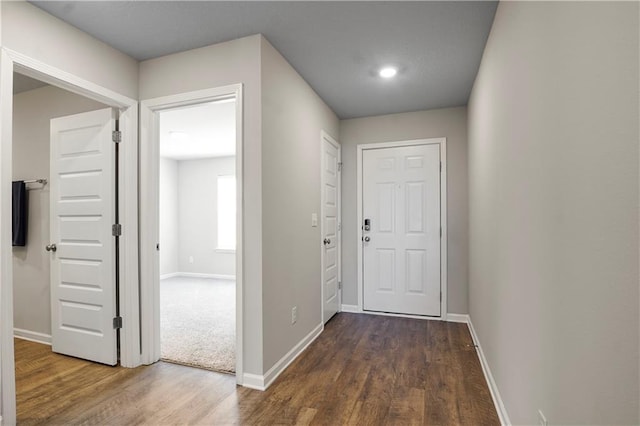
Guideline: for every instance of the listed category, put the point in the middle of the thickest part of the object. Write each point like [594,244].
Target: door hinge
[116,230]
[441,232]
[339,285]
[340,166]
[441,296]
[117,322]
[441,166]
[116,136]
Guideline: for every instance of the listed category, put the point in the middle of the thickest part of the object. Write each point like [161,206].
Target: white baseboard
[254,381]
[463,318]
[493,387]
[169,275]
[199,275]
[350,308]
[32,336]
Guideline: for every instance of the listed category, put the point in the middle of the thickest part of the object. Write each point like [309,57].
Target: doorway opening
[197,218]
[63,251]
[125,209]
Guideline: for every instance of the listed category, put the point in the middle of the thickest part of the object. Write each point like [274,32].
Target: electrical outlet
[190,259]
[542,420]
[294,315]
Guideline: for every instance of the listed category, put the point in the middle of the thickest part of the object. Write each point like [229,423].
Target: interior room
[437,215]
[197,235]
[35,104]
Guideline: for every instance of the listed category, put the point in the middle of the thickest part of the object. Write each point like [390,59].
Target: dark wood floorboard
[362,370]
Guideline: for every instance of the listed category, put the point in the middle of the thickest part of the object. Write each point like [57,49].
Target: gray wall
[168,233]
[292,118]
[283,118]
[450,123]
[236,61]
[65,47]
[32,112]
[198,216]
[58,44]
[553,172]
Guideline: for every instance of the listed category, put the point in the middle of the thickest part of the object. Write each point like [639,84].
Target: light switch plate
[314,220]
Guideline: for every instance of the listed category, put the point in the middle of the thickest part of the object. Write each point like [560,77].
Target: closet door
[83,289]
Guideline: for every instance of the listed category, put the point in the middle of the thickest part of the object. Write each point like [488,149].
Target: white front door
[330,164]
[401,249]
[83,295]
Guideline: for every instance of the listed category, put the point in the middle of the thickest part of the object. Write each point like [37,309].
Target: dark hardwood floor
[363,369]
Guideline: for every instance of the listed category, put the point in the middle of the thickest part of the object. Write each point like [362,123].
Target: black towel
[19,229]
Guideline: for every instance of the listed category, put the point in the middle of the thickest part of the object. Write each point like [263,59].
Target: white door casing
[401,251]
[330,226]
[11,61]
[149,229]
[83,296]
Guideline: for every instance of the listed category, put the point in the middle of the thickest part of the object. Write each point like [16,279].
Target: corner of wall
[293,116]
[493,387]
[83,55]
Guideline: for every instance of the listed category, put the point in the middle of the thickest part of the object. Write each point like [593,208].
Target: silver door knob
[327,241]
[51,247]
[366,239]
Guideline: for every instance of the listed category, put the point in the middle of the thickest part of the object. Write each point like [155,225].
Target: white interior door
[401,250]
[83,301]
[330,229]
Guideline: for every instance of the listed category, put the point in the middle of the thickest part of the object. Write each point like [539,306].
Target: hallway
[362,369]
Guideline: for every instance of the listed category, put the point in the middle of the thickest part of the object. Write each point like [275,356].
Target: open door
[330,227]
[82,247]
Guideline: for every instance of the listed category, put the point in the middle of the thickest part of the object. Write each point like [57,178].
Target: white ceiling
[200,131]
[337,46]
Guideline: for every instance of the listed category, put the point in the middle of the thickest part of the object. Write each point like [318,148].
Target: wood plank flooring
[362,370]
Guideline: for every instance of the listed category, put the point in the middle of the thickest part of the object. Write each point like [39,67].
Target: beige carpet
[198,322]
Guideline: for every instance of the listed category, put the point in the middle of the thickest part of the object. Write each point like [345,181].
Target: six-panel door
[401,199]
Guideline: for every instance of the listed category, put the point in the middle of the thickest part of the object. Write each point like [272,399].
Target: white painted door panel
[401,198]
[330,232]
[82,196]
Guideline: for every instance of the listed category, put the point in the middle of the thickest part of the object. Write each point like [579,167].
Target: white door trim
[325,136]
[443,212]
[149,169]
[11,61]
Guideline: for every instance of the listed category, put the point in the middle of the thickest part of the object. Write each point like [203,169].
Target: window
[226,212]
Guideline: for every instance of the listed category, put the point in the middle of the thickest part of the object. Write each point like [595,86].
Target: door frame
[324,136]
[442,142]
[11,61]
[149,209]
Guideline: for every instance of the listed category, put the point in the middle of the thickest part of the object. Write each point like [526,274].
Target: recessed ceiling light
[388,72]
